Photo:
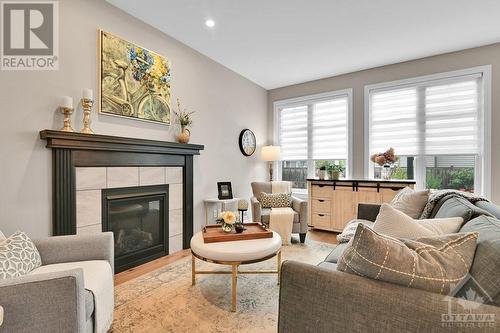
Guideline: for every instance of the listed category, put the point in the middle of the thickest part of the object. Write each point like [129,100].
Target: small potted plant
[323,168]
[185,120]
[335,170]
[228,220]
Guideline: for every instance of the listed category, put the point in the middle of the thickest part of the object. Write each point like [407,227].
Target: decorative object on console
[438,269]
[185,120]
[87,103]
[386,160]
[66,109]
[227,220]
[225,190]
[271,154]
[335,170]
[134,81]
[242,208]
[247,142]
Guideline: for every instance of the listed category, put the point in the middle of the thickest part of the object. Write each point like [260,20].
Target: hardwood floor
[312,234]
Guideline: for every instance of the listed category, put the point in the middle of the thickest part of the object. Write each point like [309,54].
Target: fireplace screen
[138,218]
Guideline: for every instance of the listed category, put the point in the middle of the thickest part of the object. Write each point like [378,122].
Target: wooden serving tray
[214,233]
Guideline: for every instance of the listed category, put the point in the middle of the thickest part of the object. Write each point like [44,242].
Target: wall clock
[247,142]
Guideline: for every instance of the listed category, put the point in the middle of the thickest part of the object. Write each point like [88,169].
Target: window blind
[293,133]
[329,129]
[430,118]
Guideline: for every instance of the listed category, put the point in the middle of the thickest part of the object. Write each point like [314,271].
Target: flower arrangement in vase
[228,220]
[185,120]
[386,160]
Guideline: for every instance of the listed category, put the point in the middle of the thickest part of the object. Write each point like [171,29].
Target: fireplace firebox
[138,218]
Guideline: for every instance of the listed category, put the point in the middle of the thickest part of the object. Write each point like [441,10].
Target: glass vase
[386,171]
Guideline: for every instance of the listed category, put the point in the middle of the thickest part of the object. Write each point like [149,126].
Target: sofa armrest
[256,210]
[368,211]
[71,248]
[50,302]
[300,206]
[313,299]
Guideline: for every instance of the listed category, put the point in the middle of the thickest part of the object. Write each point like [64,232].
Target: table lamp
[270,154]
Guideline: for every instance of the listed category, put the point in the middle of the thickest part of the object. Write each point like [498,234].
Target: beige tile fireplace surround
[91,180]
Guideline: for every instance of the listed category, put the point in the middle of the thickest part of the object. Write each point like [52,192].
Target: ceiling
[276,43]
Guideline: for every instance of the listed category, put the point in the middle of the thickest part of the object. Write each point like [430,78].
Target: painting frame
[224,190]
[101,75]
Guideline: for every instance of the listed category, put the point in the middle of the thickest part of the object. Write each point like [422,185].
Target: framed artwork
[134,82]
[225,190]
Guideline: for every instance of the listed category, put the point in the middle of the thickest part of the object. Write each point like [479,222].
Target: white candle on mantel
[67,102]
[88,93]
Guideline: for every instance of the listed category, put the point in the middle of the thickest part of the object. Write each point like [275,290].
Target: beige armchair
[260,214]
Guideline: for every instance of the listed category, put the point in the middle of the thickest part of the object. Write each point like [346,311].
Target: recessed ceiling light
[210,23]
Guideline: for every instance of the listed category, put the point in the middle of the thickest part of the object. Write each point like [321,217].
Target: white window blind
[293,133]
[430,118]
[329,129]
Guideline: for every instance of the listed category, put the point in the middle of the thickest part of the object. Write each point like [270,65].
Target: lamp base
[271,167]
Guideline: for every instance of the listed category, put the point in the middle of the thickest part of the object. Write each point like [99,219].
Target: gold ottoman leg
[193,270]
[233,286]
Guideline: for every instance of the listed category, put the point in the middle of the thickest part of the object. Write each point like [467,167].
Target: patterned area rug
[165,301]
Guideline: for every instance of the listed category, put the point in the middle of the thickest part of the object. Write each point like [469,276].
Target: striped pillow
[275,200]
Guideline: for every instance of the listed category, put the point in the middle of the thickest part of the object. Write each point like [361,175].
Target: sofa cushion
[486,265]
[89,304]
[334,256]
[434,264]
[489,207]
[18,256]
[264,216]
[259,187]
[454,206]
[410,201]
[395,223]
[328,265]
[350,229]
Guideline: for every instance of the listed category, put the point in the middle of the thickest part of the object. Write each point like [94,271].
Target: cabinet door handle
[321,200]
[321,214]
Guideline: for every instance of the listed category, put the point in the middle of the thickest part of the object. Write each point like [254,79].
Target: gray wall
[485,55]
[224,102]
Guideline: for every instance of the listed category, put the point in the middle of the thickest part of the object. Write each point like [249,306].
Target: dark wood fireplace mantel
[71,150]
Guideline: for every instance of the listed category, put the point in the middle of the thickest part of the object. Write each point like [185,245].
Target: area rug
[165,301]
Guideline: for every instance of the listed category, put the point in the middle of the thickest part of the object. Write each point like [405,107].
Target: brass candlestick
[87,109]
[67,119]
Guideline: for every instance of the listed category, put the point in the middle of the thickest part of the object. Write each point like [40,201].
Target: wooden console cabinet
[333,203]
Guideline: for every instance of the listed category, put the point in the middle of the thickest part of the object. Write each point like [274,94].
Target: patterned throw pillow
[18,256]
[275,200]
[410,201]
[436,264]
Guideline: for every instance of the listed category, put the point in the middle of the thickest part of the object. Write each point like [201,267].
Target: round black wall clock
[247,142]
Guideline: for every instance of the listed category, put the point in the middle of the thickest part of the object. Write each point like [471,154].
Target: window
[437,126]
[312,130]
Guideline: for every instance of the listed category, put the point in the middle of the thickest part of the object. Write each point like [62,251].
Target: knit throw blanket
[435,196]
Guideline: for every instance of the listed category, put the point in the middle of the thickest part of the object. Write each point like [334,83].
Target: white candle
[67,102]
[88,93]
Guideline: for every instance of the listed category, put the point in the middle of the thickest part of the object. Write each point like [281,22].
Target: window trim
[484,164]
[315,98]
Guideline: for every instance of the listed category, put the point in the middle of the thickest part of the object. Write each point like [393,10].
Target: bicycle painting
[134,81]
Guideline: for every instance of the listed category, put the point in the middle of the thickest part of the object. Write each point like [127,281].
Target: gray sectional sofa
[322,299]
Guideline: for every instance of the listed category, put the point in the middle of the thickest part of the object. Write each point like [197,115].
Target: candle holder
[242,207]
[67,112]
[87,110]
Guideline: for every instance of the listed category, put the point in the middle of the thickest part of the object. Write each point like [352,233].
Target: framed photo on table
[225,190]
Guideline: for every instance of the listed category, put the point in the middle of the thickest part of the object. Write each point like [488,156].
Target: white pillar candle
[67,102]
[88,93]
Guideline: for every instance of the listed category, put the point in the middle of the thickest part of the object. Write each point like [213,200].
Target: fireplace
[138,218]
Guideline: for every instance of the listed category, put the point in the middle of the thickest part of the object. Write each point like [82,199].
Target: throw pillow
[410,201]
[394,223]
[486,264]
[350,229]
[435,264]
[18,256]
[275,200]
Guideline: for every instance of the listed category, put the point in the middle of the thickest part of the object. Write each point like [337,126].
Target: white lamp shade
[270,153]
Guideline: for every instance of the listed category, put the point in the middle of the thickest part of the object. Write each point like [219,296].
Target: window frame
[483,164]
[309,100]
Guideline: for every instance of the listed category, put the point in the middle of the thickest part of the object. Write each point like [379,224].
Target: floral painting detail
[135,82]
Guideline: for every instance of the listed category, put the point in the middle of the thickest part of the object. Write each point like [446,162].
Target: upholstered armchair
[260,214]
